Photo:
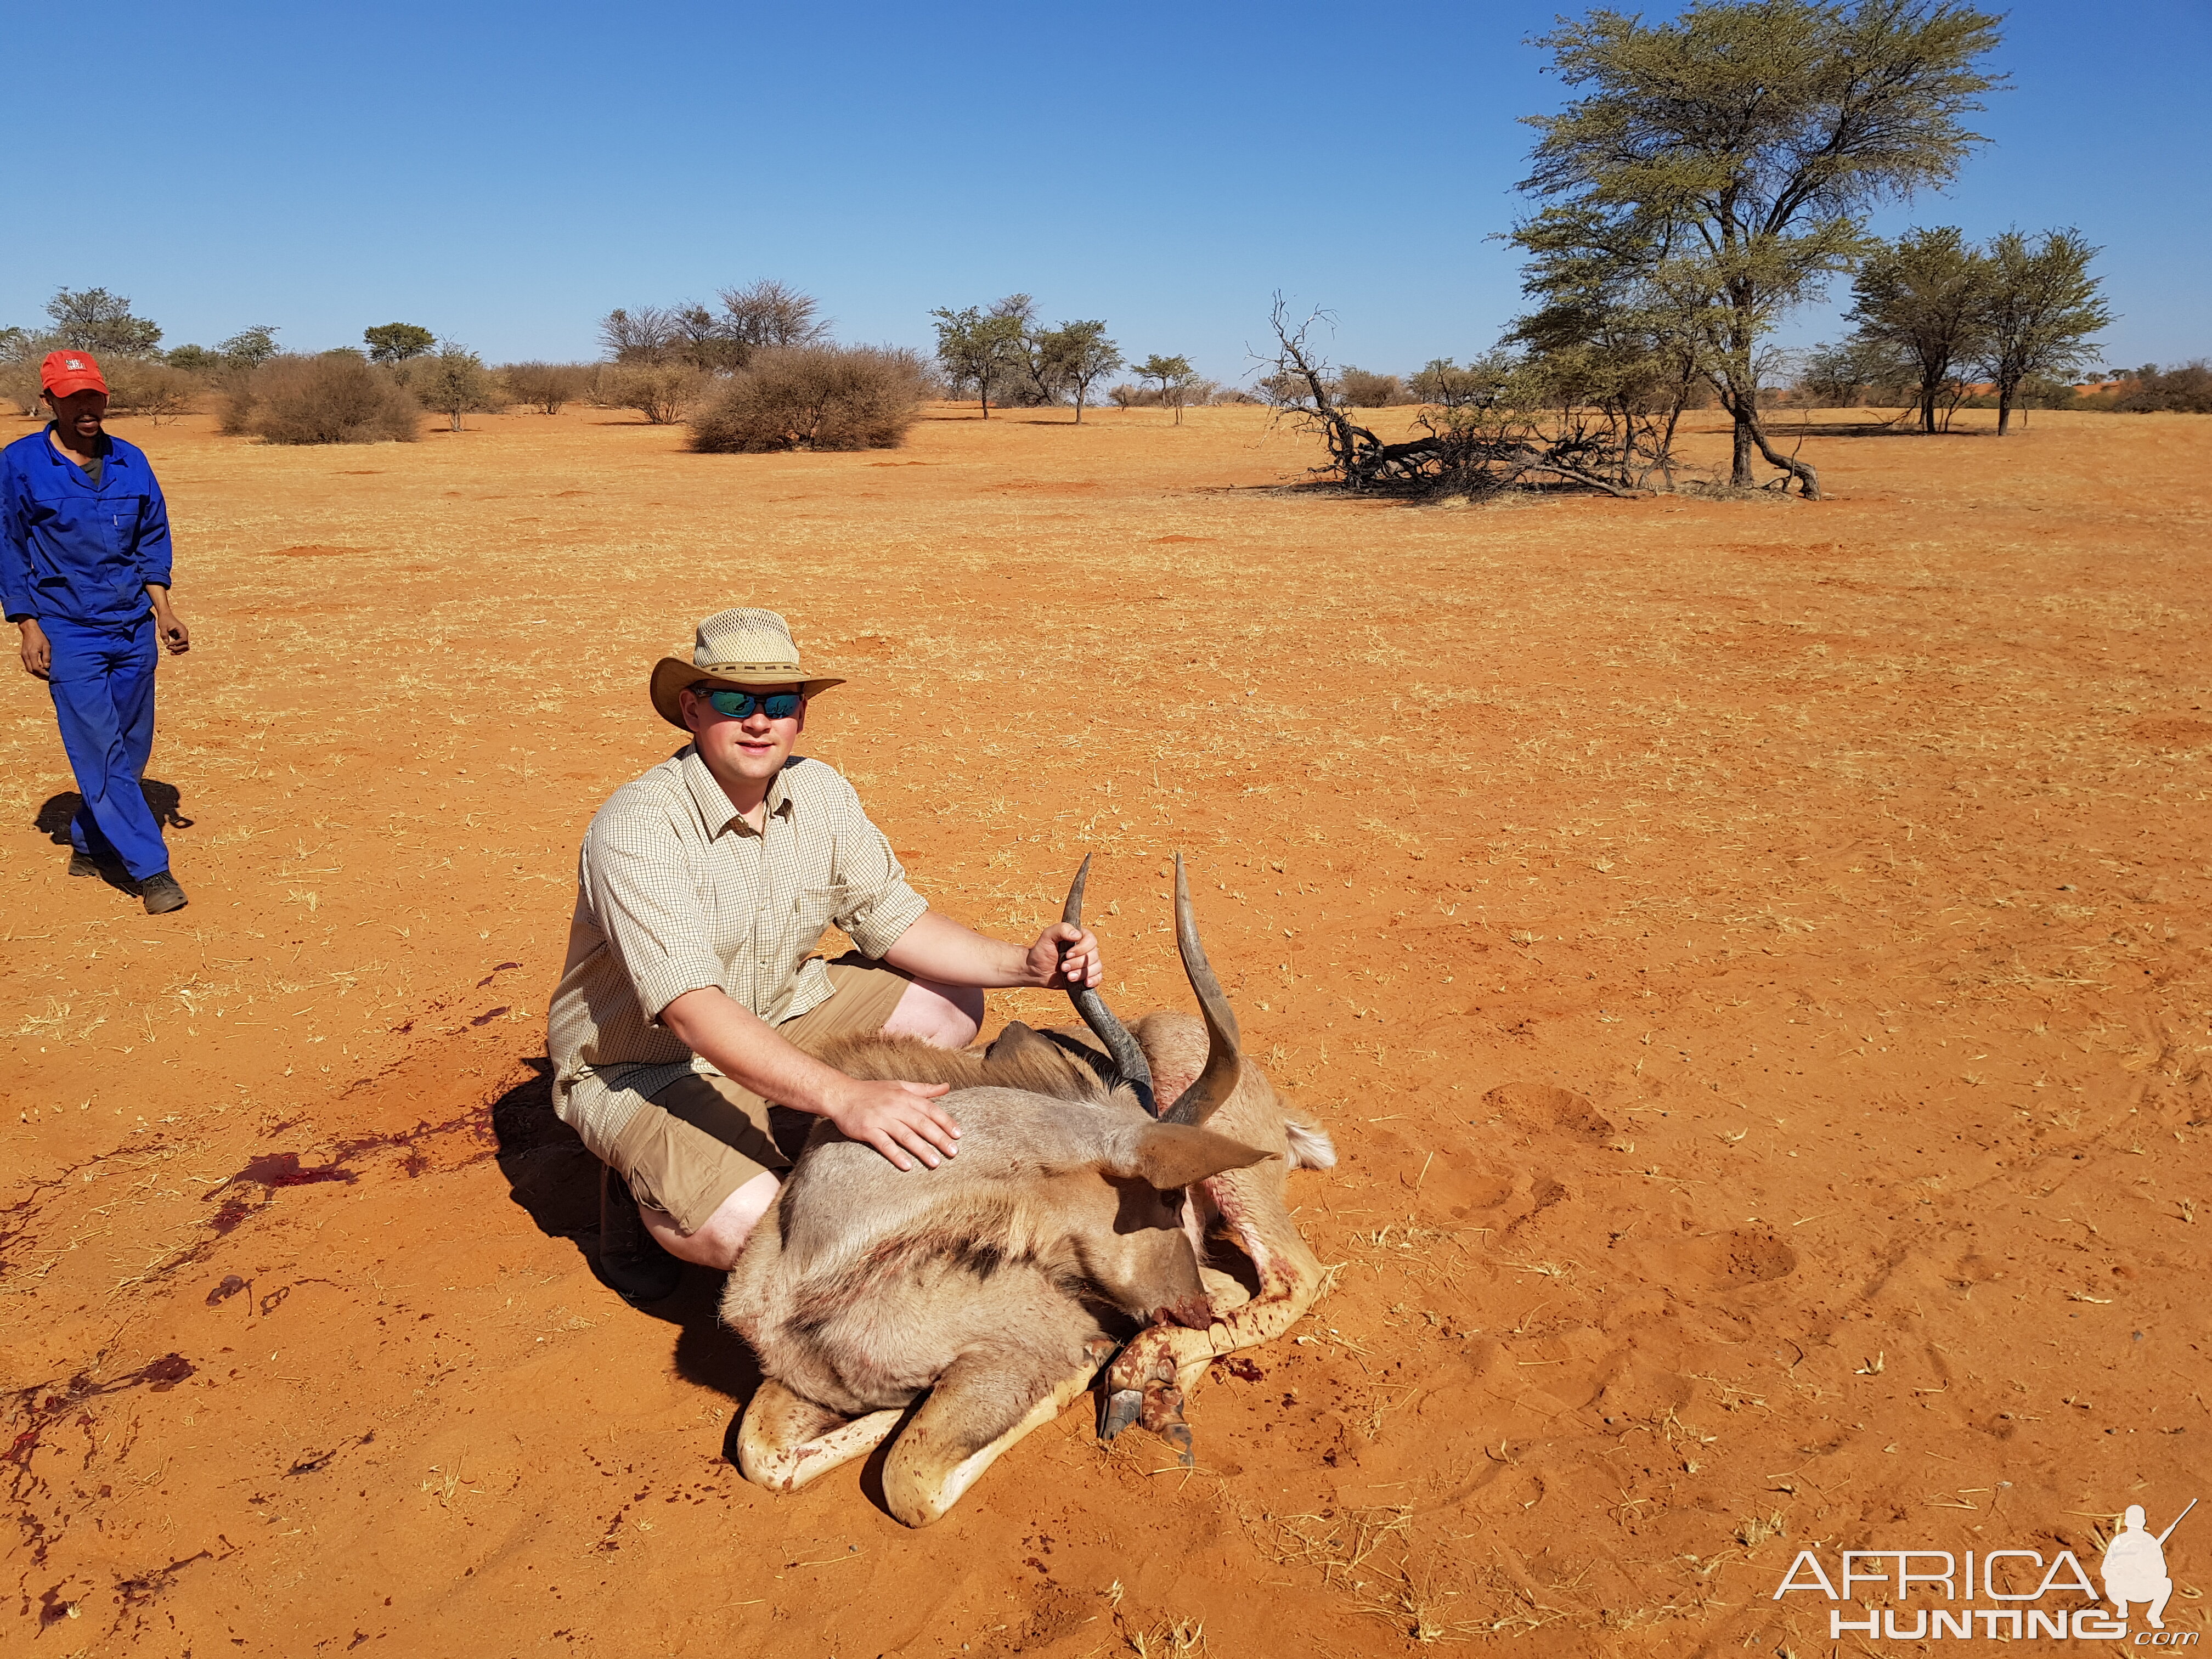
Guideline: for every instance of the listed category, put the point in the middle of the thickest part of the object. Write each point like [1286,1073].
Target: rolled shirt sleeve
[633,875]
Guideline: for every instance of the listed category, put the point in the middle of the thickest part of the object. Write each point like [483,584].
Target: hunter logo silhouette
[2135,1566]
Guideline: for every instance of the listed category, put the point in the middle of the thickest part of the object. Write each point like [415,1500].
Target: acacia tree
[1175,375]
[250,347]
[1741,143]
[545,386]
[1925,299]
[1077,355]
[1840,376]
[1442,382]
[453,381]
[981,347]
[93,319]
[1565,412]
[699,340]
[2040,309]
[1032,356]
[395,343]
[766,316]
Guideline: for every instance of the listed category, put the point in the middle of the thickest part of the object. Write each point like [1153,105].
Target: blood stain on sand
[285,1170]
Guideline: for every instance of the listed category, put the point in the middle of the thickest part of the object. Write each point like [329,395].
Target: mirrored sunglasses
[739,705]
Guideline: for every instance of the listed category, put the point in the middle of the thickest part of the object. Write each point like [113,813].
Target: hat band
[746,667]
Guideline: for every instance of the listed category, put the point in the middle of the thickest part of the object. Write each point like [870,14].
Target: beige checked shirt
[675,891]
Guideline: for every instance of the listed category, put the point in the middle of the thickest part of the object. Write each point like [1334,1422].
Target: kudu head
[1138,1255]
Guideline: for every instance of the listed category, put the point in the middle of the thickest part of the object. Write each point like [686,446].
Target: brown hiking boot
[162,894]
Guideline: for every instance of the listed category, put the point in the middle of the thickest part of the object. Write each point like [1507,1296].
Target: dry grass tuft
[1754,1530]
[1178,1638]
[1336,1544]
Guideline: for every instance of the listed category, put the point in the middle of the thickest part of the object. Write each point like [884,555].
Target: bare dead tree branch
[1481,439]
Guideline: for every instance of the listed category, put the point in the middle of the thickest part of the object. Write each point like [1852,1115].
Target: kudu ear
[1172,1155]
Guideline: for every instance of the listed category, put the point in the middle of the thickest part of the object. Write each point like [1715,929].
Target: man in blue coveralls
[84,547]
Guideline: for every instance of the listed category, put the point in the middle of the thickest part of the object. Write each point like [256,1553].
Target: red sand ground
[1751,953]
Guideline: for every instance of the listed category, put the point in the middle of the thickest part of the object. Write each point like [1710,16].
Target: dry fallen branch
[1499,429]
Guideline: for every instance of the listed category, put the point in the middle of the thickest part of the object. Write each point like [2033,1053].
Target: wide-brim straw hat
[742,649]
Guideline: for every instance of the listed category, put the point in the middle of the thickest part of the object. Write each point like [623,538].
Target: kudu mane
[1038,1063]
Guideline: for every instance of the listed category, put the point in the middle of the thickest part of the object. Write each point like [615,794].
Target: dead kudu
[1076,1215]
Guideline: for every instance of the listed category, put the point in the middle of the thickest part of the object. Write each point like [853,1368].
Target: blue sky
[504,173]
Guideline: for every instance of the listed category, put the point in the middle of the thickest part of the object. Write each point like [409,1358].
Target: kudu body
[1076,1212]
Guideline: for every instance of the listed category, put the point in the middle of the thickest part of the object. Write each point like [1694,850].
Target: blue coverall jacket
[72,551]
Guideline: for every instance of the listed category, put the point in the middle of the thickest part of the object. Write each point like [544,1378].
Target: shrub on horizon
[140,385]
[659,391]
[822,397]
[452,380]
[545,386]
[1360,388]
[336,398]
[21,351]
[2184,389]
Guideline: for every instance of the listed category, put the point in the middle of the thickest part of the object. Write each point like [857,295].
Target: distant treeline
[758,370]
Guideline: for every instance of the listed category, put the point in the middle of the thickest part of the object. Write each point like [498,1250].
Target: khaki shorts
[703,1137]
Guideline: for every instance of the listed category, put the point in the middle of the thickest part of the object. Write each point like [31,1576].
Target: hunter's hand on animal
[38,654]
[1066,957]
[896,1119]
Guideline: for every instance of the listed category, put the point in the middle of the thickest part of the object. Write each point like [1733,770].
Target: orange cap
[64,372]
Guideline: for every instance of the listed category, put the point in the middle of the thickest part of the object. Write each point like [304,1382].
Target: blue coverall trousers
[102,680]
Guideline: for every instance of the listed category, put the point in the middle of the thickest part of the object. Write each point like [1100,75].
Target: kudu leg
[785,1442]
[948,1444]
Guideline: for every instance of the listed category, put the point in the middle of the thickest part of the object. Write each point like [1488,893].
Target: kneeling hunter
[691,1003]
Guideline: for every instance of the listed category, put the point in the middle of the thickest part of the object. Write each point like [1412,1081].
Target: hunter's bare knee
[716,1243]
[943,1016]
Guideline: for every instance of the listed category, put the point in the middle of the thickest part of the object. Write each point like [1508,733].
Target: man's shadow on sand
[165,800]
[556,1182]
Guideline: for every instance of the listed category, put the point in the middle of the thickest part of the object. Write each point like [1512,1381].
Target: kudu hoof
[1163,1408]
[1177,1435]
[1157,1404]
[1122,1408]
[1163,1414]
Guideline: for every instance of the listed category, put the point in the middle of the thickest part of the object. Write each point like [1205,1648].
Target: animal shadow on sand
[556,1182]
[165,800]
